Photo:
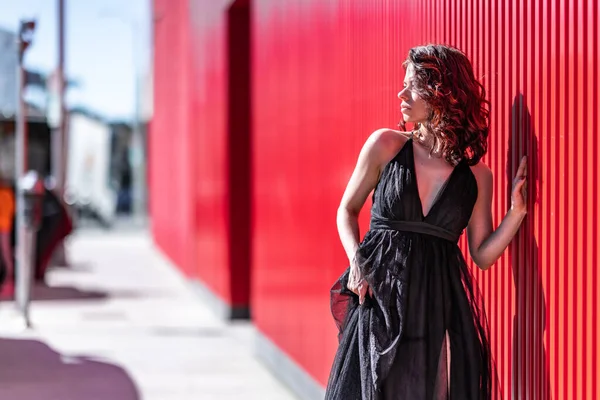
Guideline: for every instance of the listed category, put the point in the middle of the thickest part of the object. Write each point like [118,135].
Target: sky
[107,42]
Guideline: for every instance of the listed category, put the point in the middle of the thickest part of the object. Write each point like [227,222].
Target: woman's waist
[417,227]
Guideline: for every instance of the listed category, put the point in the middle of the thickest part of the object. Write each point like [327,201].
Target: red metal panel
[319,88]
[208,120]
[169,142]
[196,204]
[325,76]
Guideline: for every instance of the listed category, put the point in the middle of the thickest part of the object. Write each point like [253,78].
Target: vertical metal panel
[207,24]
[326,74]
[169,168]
[319,87]
[193,194]
[550,66]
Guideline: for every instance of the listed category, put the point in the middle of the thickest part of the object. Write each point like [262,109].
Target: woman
[411,323]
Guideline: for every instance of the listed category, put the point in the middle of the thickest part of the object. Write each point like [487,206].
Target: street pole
[58,124]
[137,144]
[137,140]
[62,130]
[23,259]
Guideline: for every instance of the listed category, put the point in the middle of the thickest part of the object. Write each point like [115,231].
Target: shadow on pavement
[73,267]
[55,293]
[42,292]
[48,293]
[30,370]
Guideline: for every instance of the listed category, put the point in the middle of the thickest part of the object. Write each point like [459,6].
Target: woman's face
[413,107]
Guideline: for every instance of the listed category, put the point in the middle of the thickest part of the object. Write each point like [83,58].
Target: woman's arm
[485,244]
[374,153]
[362,181]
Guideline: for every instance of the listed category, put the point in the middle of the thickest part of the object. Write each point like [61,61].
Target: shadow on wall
[529,361]
[30,370]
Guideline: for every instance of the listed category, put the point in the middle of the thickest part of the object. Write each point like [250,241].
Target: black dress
[423,333]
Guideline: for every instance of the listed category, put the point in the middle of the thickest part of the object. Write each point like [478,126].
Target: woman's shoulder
[387,141]
[390,135]
[482,174]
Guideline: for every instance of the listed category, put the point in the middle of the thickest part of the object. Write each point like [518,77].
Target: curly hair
[458,109]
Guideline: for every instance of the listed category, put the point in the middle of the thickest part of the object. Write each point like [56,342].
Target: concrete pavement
[122,324]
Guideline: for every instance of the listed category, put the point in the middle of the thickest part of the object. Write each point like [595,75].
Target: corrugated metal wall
[170,171]
[208,118]
[326,75]
[539,62]
[196,199]
[321,84]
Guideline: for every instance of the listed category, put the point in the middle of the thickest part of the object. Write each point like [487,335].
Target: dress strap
[414,226]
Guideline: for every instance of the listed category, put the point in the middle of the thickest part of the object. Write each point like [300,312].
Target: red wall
[326,74]
[191,161]
[321,85]
[170,141]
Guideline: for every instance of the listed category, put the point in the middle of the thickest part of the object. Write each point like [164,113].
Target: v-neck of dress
[440,192]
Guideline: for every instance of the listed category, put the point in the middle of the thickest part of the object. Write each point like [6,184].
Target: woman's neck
[426,139]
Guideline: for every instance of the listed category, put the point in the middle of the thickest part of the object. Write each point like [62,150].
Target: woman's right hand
[357,283]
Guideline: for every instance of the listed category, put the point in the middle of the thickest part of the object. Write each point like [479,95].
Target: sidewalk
[121,324]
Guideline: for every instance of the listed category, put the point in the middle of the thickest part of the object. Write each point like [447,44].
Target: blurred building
[8,75]
[261,108]
[39,132]
[91,185]
[55,224]
[121,173]
[96,146]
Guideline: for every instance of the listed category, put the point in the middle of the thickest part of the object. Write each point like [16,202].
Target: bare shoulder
[483,174]
[385,143]
[390,134]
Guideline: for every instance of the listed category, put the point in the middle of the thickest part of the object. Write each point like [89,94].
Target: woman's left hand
[519,190]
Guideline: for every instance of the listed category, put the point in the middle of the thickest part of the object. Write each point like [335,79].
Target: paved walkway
[121,324]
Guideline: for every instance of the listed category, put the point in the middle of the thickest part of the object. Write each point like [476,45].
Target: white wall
[88,170]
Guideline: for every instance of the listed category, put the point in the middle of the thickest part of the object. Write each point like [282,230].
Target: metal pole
[59,128]
[22,267]
[61,99]
[137,142]
[59,122]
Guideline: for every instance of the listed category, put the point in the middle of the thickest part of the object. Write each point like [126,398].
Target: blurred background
[170,172]
[103,55]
